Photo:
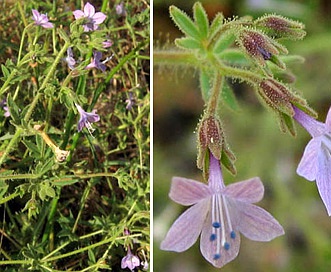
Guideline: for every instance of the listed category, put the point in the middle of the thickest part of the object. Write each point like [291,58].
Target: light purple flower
[129,102]
[316,160]
[94,19]
[70,59]
[107,43]
[41,19]
[3,104]
[96,62]
[219,213]
[130,261]
[86,118]
[120,9]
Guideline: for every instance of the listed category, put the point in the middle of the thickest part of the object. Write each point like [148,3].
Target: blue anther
[212,237]
[265,54]
[226,246]
[217,256]
[216,225]
[233,234]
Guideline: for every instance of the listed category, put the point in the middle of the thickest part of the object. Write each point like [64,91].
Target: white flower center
[221,224]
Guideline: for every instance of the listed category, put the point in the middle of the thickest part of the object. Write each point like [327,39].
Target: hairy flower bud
[280,98]
[211,138]
[280,27]
[276,95]
[260,47]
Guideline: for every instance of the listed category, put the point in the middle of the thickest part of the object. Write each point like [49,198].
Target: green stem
[11,144]
[43,85]
[214,98]
[175,58]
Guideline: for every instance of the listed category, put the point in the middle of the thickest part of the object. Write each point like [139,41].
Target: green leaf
[235,57]
[3,188]
[5,71]
[205,79]
[32,147]
[224,41]
[188,43]
[184,23]
[215,26]
[201,19]
[228,97]
[13,109]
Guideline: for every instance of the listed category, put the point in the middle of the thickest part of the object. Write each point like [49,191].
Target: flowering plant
[223,52]
[74,161]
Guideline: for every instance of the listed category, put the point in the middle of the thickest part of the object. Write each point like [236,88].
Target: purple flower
[129,102]
[3,104]
[96,62]
[120,9]
[86,118]
[130,261]
[316,160]
[94,19]
[41,19]
[107,43]
[219,213]
[70,59]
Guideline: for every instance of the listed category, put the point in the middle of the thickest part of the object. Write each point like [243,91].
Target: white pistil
[219,197]
[227,214]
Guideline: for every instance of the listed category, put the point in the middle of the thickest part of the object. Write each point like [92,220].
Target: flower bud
[211,138]
[276,95]
[280,27]
[260,47]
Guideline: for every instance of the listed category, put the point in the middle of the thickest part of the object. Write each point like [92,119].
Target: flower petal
[187,191]
[186,229]
[35,14]
[98,18]
[256,223]
[328,121]
[250,190]
[47,25]
[323,176]
[208,248]
[307,167]
[78,14]
[89,10]
[92,116]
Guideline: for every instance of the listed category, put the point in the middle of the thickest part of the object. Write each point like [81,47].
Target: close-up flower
[86,118]
[130,261]
[94,19]
[70,59]
[219,213]
[96,62]
[41,19]
[315,163]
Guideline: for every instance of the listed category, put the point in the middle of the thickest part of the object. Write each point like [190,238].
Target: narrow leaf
[215,26]
[201,19]
[228,97]
[184,23]
[188,43]
[5,71]
[205,79]
[224,41]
